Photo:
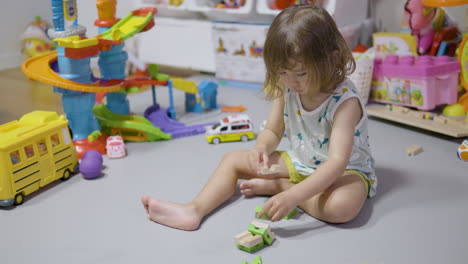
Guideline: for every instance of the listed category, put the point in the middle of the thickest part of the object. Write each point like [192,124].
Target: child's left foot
[260,187]
[180,216]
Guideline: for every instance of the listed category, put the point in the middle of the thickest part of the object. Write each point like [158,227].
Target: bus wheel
[244,138]
[19,199]
[216,140]
[66,175]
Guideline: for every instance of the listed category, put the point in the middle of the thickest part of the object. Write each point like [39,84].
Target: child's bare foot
[260,187]
[180,216]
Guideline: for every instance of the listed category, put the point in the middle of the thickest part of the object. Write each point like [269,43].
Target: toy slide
[40,69]
[131,127]
[160,118]
[128,26]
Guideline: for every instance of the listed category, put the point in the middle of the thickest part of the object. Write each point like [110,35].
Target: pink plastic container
[421,82]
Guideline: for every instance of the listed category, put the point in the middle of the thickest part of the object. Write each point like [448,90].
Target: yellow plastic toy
[34,151]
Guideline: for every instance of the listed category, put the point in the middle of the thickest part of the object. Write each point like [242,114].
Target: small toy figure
[115,147]
[462,152]
[35,40]
[419,19]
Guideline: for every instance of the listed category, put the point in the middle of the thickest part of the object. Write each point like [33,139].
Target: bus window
[29,151]
[41,145]
[66,136]
[55,140]
[15,157]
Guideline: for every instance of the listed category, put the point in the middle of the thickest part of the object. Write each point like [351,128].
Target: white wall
[14,17]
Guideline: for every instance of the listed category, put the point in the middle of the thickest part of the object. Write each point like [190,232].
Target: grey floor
[419,214]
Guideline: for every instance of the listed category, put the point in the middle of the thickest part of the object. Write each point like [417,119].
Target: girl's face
[296,79]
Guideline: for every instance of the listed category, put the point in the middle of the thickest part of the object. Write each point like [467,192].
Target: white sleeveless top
[309,134]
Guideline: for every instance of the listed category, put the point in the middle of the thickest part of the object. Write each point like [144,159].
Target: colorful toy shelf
[166,4]
[420,119]
[215,6]
[265,7]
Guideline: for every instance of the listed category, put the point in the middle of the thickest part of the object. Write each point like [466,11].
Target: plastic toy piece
[256,260]
[264,216]
[414,150]
[160,118]
[273,169]
[130,127]
[252,249]
[268,237]
[233,109]
[440,3]
[247,240]
[39,69]
[34,151]
[462,151]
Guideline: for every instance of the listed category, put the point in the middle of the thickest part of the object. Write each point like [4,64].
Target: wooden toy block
[440,120]
[241,236]
[267,238]
[250,241]
[273,169]
[413,150]
[261,225]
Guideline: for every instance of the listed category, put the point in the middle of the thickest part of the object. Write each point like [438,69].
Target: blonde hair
[306,34]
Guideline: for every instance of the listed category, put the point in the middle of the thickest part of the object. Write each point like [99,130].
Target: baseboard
[8,61]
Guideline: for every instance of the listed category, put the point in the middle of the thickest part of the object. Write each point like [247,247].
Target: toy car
[115,147]
[231,128]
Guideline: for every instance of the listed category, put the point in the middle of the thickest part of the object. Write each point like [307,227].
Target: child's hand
[258,159]
[278,206]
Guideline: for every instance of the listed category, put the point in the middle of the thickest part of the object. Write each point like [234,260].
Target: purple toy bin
[91,164]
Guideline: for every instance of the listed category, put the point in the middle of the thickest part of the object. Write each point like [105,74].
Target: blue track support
[112,66]
[171,111]
[77,105]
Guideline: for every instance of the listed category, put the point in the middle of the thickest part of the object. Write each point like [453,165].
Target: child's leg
[339,203]
[219,188]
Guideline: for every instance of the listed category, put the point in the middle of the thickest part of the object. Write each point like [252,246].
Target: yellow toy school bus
[34,151]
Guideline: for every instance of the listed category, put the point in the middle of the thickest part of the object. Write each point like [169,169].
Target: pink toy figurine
[419,19]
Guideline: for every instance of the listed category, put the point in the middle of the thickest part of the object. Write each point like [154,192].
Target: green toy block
[262,232]
[252,249]
[259,208]
[291,214]
[257,260]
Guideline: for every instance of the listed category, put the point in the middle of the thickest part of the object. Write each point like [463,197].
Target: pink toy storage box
[421,82]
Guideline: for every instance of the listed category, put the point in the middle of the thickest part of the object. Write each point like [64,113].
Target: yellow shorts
[296,177]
